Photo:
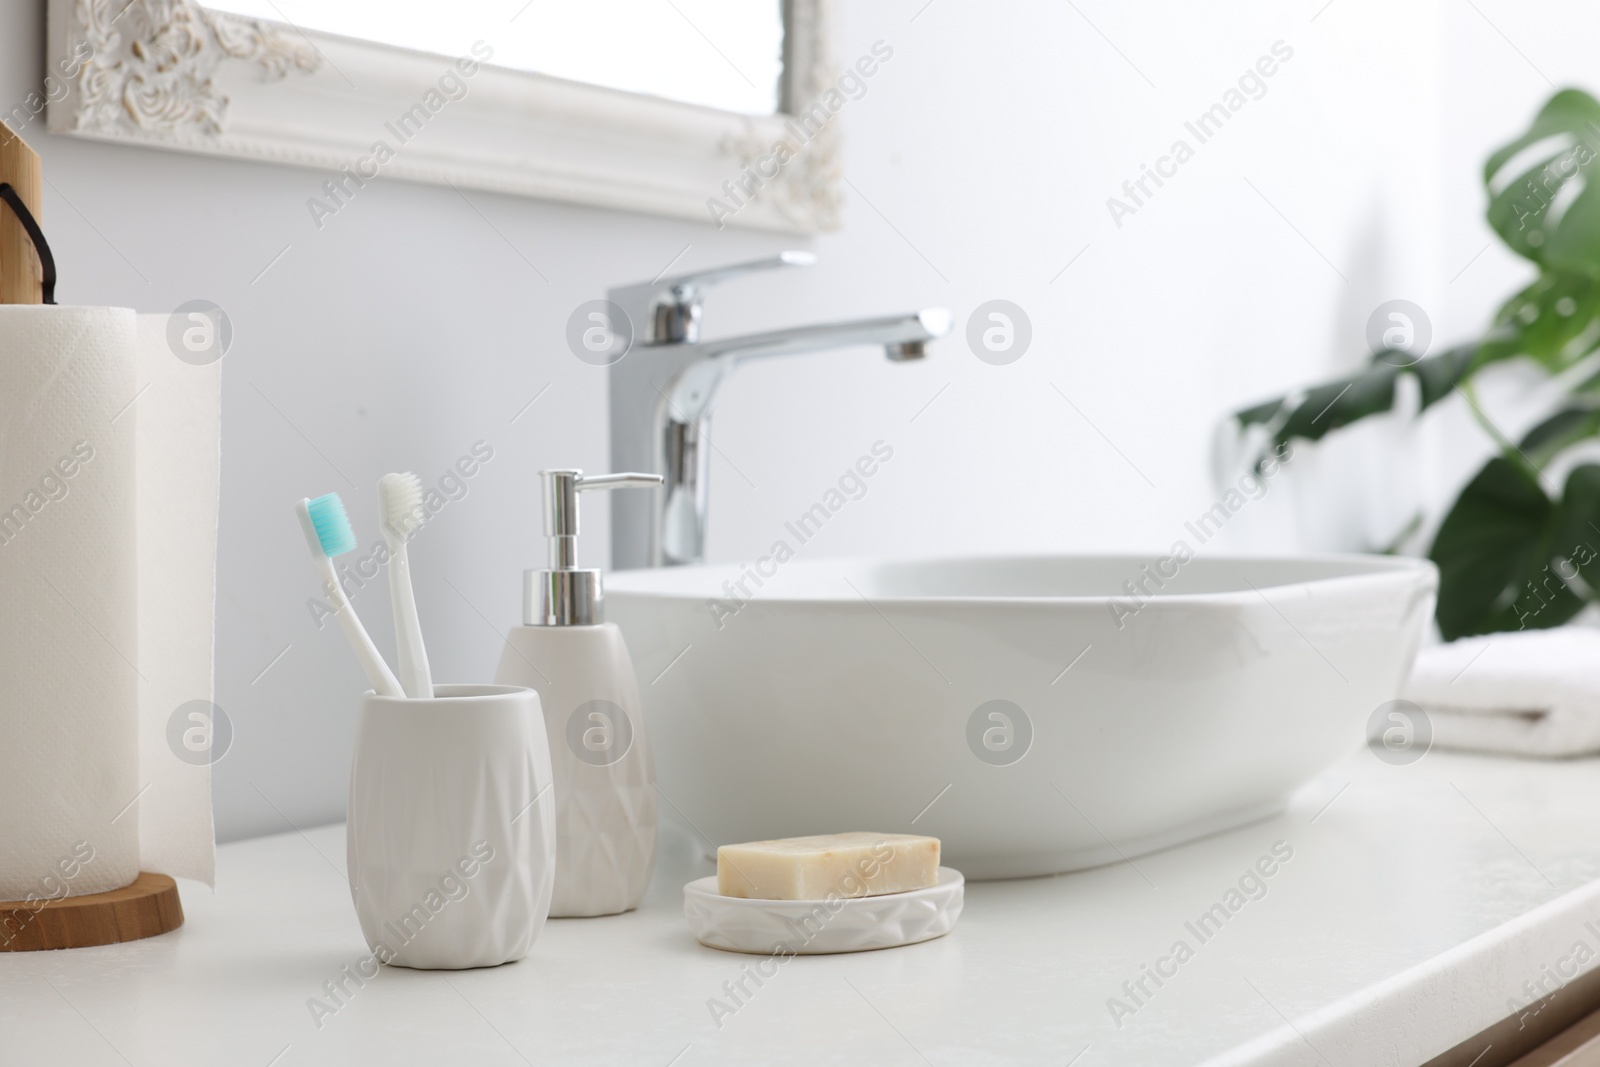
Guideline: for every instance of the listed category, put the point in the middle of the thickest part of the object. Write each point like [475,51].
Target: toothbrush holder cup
[451,834]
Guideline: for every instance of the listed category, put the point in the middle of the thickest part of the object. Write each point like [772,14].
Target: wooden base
[146,908]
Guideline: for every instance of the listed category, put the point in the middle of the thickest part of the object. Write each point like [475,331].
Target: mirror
[723,54]
[721,111]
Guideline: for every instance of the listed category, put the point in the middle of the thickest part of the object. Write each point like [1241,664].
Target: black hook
[47,262]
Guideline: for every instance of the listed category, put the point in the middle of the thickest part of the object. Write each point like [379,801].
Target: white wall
[979,165]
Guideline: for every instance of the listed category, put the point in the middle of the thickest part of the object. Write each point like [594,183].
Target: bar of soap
[859,864]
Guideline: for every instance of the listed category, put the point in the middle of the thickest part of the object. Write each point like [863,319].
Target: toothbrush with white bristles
[328,533]
[400,505]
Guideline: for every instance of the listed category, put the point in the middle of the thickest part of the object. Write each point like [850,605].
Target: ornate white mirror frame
[174,74]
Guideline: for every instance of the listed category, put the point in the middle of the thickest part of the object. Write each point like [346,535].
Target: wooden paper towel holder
[147,907]
[27,269]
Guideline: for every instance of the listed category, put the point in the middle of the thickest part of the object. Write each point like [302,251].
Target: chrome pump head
[563,594]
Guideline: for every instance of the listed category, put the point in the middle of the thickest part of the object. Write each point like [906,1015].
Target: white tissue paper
[109,464]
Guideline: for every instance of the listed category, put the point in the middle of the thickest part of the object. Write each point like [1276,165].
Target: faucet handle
[667,310]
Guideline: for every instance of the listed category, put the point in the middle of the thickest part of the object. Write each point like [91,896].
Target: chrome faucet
[663,389]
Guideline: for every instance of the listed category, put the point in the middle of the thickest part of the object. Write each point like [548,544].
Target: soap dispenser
[604,777]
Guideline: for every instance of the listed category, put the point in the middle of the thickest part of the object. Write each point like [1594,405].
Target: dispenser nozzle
[563,594]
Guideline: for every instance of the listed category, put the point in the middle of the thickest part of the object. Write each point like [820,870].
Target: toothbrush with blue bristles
[328,533]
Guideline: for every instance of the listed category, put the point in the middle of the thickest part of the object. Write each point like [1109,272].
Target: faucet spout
[661,399]
[709,363]
[916,328]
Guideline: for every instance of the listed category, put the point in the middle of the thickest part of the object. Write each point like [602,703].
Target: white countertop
[1417,902]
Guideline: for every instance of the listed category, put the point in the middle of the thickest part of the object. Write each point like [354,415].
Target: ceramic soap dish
[818,927]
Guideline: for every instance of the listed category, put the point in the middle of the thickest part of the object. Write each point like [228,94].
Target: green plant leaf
[1526,202]
[1554,321]
[1495,539]
[1439,375]
[1261,414]
[1560,431]
[1576,526]
[1328,407]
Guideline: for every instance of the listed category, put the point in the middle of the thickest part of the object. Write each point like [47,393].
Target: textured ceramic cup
[451,838]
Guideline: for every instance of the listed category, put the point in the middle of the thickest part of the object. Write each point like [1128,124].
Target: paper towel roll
[108,504]
[179,464]
[69,635]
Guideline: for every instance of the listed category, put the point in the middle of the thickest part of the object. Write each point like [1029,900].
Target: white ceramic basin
[856,695]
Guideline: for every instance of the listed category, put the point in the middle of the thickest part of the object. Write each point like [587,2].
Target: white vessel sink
[855,695]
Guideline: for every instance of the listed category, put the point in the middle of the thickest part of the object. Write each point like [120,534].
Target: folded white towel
[1530,693]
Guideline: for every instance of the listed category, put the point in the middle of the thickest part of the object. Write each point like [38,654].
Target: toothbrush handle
[378,674]
[411,655]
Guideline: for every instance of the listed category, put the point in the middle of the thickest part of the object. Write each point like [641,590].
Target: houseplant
[1512,553]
